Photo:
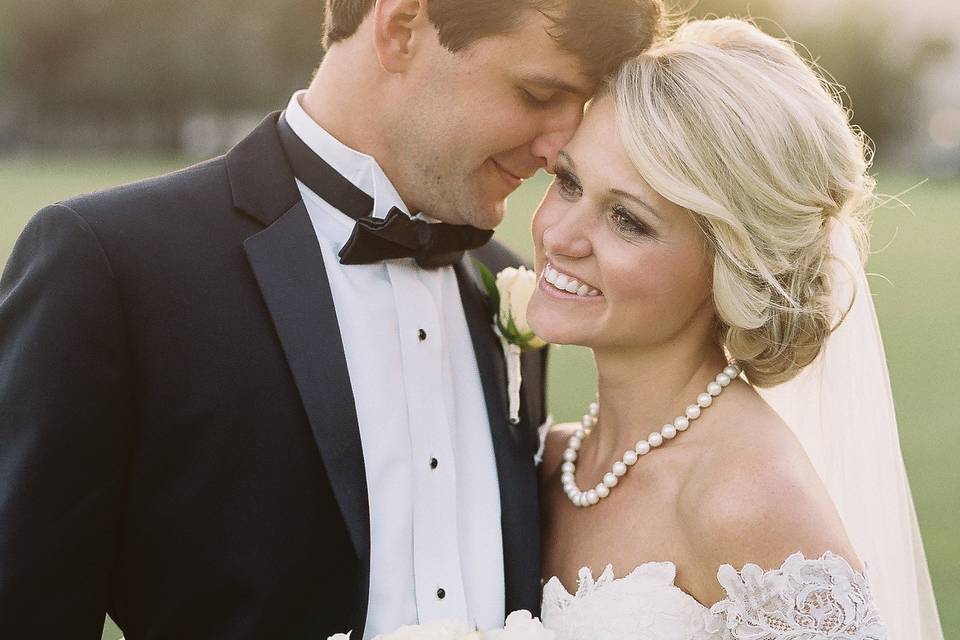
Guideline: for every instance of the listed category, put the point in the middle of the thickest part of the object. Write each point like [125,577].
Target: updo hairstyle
[731,124]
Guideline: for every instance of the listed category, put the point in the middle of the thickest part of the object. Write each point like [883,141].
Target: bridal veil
[841,408]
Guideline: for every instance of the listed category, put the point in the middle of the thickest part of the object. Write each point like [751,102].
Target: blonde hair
[731,124]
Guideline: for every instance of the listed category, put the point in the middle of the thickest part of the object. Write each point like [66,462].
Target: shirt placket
[437,572]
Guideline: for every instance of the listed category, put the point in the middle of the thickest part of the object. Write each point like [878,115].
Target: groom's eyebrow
[552,82]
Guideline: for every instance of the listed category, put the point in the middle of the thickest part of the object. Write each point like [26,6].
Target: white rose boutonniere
[509,293]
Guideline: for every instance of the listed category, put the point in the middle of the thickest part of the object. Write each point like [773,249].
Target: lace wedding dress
[822,599]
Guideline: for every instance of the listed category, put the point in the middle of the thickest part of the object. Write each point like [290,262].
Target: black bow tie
[375,239]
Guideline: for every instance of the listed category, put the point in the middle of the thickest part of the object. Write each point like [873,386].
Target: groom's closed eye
[537,99]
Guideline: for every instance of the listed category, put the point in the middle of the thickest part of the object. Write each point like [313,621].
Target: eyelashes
[568,185]
[624,222]
[620,217]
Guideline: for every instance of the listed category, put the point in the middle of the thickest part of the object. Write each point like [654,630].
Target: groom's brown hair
[601,33]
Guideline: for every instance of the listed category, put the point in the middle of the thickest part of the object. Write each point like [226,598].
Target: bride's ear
[399,29]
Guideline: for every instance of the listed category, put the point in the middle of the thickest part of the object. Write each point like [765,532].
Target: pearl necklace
[643,447]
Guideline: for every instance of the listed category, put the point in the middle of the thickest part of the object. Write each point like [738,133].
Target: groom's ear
[399,29]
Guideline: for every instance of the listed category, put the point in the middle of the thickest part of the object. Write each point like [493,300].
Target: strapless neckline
[654,573]
[822,597]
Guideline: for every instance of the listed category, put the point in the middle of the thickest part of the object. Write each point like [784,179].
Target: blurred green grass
[917,298]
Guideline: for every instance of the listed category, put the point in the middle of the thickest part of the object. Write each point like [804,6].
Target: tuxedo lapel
[288,265]
[289,268]
[515,469]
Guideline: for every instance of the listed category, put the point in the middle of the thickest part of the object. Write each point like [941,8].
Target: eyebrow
[637,199]
[552,82]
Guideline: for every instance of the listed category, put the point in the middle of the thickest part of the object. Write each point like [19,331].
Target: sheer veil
[841,409]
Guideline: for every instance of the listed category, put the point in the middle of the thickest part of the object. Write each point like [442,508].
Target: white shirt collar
[359,168]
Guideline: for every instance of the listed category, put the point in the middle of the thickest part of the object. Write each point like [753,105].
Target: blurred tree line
[119,60]
[111,61]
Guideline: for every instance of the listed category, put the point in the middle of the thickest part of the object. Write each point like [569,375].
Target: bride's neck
[643,390]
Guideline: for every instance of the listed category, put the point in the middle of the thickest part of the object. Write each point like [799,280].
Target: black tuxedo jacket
[178,438]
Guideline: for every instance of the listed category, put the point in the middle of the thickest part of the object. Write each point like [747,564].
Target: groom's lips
[512,179]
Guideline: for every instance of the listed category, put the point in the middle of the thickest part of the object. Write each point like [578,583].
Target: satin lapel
[515,469]
[288,264]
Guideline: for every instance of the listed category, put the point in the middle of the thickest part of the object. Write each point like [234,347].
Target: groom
[254,398]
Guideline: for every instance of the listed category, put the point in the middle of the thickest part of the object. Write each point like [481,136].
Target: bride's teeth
[564,282]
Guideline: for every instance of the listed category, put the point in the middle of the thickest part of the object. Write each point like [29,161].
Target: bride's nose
[567,235]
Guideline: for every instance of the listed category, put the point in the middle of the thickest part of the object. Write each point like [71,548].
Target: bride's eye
[625,223]
[567,185]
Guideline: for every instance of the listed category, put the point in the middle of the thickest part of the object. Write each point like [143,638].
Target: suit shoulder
[497,256]
[199,186]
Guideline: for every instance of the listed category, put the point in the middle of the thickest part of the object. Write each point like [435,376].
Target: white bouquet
[521,625]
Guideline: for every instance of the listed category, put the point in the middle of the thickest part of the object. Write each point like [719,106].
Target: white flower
[521,625]
[516,286]
[445,630]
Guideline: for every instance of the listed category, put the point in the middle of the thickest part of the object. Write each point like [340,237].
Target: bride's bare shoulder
[754,496]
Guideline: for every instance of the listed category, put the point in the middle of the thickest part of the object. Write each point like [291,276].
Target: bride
[704,237]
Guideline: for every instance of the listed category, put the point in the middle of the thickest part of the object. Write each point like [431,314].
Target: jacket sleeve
[65,416]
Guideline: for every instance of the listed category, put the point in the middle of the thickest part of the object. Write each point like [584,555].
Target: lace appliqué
[803,600]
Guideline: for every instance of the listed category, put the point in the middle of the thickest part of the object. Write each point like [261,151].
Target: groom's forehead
[533,55]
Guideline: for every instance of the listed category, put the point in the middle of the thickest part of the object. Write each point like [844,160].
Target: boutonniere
[509,293]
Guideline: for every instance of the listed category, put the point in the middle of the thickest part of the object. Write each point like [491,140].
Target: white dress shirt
[436,549]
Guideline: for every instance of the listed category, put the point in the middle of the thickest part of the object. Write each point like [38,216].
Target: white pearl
[655,439]
[568,467]
[619,469]
[592,497]
[669,431]
[693,411]
[580,433]
[566,477]
[587,421]
[571,492]
[570,455]
[723,379]
[642,448]
[704,400]
[682,423]
[594,409]
[630,458]
[733,371]
[574,443]
[610,480]
[602,490]
[714,388]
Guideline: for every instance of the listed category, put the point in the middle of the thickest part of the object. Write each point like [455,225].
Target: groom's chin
[487,215]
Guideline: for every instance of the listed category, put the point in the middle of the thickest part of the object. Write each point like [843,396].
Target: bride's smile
[565,286]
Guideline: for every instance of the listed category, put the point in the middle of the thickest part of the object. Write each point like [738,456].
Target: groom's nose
[555,132]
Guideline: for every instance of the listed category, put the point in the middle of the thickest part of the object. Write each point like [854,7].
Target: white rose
[521,625]
[434,631]
[516,286]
